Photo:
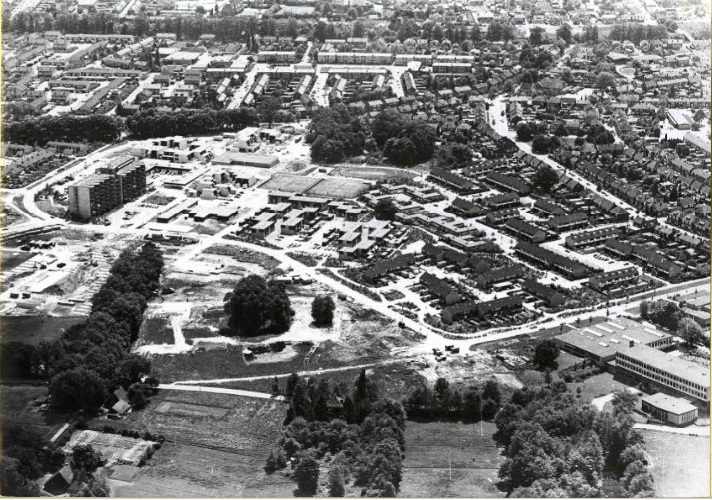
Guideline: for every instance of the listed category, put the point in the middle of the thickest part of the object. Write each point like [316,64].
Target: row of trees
[151,123]
[636,33]
[668,314]
[364,437]
[404,141]
[477,402]
[334,134]
[69,128]
[557,447]
[93,358]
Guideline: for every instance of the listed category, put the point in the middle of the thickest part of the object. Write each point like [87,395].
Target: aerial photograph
[355,248]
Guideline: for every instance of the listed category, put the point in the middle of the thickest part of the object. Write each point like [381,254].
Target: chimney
[631,343]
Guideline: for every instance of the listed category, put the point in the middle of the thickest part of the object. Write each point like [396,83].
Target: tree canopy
[545,178]
[322,310]
[404,141]
[334,134]
[257,307]
[545,353]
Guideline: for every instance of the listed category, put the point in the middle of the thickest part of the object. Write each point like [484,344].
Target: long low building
[246,160]
[551,260]
[664,371]
[600,343]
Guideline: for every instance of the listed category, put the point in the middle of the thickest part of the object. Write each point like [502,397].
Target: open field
[393,380]
[182,470]
[215,445]
[229,363]
[446,459]
[34,329]
[680,464]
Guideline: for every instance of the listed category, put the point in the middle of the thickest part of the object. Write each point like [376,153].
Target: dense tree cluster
[453,156]
[322,310]
[385,209]
[257,307]
[544,144]
[557,447]
[545,178]
[69,128]
[668,315]
[334,134]
[151,123]
[477,402]
[363,434]
[93,358]
[404,141]
[25,457]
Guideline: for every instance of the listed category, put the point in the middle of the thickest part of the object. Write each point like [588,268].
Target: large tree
[77,389]
[545,354]
[257,306]
[545,178]
[322,310]
[307,473]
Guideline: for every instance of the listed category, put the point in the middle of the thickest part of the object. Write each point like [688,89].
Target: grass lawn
[680,464]
[597,386]
[446,459]
[16,399]
[157,330]
[34,329]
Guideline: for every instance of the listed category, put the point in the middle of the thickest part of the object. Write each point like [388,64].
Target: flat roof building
[667,372]
[669,409]
[602,341]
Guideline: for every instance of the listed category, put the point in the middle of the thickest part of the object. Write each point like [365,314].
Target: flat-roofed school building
[602,341]
[669,373]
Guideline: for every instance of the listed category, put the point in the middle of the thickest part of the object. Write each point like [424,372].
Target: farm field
[34,329]
[215,445]
[680,464]
[450,459]
[181,470]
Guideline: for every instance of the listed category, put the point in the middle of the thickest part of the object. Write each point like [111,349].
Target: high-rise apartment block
[121,180]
